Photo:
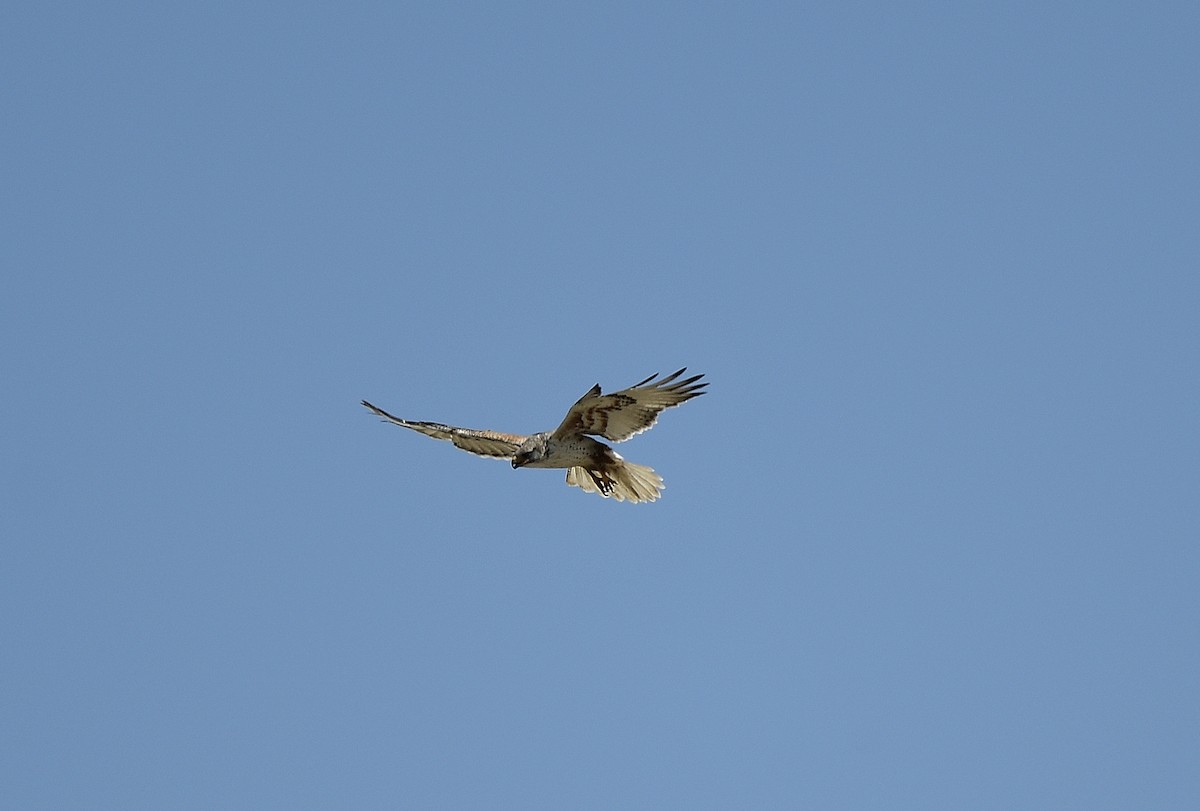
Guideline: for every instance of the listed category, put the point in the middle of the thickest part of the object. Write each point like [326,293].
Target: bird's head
[531,451]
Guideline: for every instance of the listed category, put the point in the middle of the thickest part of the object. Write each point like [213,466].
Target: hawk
[591,465]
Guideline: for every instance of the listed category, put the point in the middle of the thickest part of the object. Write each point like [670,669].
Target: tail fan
[621,480]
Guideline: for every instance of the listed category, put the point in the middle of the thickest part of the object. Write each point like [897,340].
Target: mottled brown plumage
[591,465]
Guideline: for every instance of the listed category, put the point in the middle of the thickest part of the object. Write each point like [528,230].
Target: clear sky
[931,540]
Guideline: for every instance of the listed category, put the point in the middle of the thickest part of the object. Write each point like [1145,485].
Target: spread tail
[619,479]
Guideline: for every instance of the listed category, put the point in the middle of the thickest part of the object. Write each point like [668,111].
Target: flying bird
[591,465]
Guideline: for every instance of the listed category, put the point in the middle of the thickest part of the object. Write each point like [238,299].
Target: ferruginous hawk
[591,466]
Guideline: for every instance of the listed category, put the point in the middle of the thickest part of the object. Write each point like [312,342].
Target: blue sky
[930,541]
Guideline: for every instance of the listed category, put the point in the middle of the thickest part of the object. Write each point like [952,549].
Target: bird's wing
[622,414]
[480,443]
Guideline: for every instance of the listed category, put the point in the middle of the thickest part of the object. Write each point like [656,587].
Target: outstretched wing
[622,414]
[480,443]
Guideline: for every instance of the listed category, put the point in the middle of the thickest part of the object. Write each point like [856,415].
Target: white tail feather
[621,480]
